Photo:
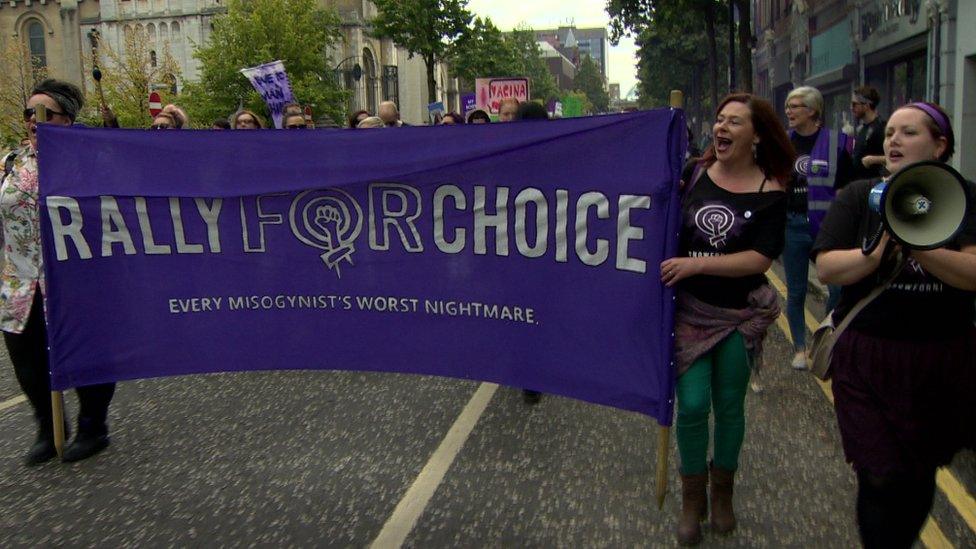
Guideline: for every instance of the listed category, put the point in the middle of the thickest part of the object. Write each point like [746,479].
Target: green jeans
[718,380]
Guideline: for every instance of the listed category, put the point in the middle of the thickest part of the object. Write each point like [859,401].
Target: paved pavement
[324,459]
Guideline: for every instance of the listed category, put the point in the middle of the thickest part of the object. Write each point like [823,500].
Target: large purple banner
[525,254]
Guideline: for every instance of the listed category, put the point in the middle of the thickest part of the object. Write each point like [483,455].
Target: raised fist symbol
[328,218]
[716,220]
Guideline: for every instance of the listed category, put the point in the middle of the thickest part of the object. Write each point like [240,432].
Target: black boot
[92,438]
[43,449]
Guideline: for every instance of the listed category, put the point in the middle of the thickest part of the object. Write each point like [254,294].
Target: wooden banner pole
[57,397]
[57,409]
[663,449]
[677,101]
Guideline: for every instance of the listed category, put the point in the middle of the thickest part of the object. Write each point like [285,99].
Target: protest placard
[490,91]
[435,112]
[271,81]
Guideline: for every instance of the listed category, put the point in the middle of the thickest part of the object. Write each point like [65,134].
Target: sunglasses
[295,127]
[29,112]
[160,127]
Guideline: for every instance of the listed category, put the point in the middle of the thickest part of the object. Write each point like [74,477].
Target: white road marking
[10,403]
[413,503]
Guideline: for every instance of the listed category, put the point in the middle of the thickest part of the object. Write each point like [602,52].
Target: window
[35,43]
[152,58]
[369,71]
[171,80]
[391,83]
[908,80]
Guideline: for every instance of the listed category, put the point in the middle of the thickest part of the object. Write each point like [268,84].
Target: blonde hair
[811,97]
[167,116]
[257,119]
[179,115]
[507,100]
[371,122]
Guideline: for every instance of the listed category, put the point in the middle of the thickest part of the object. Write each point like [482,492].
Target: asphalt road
[324,459]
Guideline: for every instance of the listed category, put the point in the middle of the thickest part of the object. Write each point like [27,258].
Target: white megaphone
[923,206]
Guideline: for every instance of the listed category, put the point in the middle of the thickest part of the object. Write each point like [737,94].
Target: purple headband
[940,119]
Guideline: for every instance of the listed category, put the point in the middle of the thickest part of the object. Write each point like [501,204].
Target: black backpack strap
[8,164]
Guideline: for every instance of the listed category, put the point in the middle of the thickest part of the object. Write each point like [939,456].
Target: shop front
[833,73]
[779,77]
[894,49]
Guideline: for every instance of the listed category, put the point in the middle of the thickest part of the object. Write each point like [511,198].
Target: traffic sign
[155,104]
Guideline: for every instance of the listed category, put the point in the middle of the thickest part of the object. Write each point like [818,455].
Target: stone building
[51,30]
[56,32]
[376,70]
[373,69]
[173,24]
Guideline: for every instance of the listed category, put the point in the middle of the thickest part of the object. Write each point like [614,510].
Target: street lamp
[357,70]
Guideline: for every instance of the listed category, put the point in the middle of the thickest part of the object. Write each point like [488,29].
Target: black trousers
[891,510]
[28,352]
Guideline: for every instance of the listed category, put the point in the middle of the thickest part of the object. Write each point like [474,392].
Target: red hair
[774,152]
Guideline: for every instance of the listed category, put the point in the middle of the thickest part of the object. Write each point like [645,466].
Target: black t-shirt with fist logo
[719,222]
[917,305]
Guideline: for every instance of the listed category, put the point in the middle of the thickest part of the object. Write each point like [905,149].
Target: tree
[252,32]
[744,29]
[577,96]
[18,75]
[633,16]
[589,80]
[424,27]
[128,76]
[482,51]
[542,84]
[677,41]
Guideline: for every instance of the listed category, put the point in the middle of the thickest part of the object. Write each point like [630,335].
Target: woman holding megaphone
[905,369]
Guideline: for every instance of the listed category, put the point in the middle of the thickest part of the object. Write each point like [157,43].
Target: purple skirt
[904,406]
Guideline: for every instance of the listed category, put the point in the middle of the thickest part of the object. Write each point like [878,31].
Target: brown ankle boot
[723,516]
[693,508]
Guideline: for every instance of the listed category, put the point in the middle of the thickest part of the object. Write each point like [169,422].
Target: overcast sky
[541,14]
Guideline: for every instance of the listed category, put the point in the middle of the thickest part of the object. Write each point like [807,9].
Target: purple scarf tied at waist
[699,327]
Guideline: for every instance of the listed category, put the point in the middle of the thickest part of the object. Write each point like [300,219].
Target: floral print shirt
[21,240]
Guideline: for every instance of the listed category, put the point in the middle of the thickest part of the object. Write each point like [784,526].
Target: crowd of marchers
[294,117]
[904,361]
